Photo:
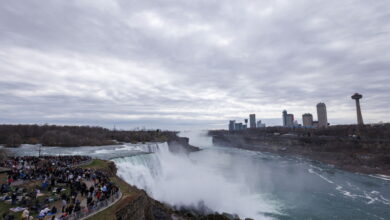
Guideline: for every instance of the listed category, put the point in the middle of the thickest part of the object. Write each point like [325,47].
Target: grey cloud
[200,62]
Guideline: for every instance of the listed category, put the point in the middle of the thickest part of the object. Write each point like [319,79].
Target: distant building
[315,124]
[284,115]
[322,115]
[238,126]
[231,125]
[289,120]
[307,120]
[252,121]
[260,125]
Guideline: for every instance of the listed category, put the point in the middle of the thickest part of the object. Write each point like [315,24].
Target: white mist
[212,178]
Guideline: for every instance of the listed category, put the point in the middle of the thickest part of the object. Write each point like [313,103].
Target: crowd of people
[59,188]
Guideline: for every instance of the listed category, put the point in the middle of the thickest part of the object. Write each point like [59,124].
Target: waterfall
[153,148]
[202,179]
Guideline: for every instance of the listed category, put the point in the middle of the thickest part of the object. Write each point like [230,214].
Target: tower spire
[357,97]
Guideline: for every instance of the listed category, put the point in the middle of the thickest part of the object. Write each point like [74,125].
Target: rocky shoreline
[350,155]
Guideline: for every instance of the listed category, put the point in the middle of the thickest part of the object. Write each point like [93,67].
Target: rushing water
[102,152]
[246,183]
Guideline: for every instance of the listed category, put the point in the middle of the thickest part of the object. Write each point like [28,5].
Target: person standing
[64,203]
[26,214]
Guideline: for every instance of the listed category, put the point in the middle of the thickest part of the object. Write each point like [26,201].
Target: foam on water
[321,176]
[382,177]
[350,190]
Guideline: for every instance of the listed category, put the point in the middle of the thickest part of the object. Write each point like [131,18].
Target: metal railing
[91,210]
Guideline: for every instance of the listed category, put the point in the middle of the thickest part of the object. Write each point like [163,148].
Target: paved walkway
[111,204]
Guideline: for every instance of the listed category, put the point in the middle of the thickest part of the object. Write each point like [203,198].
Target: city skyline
[183,65]
[307,120]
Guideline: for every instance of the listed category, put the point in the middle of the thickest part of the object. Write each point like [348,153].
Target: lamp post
[39,150]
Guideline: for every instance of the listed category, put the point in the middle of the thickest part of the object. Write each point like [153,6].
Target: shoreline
[348,160]
[337,164]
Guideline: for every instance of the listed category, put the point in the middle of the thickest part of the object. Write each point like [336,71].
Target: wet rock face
[135,207]
[112,169]
[142,207]
[181,145]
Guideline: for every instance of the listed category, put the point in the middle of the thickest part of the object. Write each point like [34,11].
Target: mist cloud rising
[207,181]
[199,63]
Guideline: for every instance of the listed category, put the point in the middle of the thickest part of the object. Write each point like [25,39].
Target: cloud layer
[175,64]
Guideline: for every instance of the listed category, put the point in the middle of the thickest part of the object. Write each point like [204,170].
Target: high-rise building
[231,125]
[252,121]
[307,120]
[289,120]
[322,116]
[284,118]
[238,126]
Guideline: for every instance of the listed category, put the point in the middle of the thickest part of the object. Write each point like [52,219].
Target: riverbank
[368,157]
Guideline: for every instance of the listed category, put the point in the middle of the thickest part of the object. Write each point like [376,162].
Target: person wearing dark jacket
[53,210]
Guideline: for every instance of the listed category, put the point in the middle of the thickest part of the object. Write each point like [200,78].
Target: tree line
[67,136]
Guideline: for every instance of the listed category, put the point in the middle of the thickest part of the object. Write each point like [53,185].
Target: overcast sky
[180,64]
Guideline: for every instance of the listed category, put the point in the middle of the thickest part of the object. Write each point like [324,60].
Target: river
[249,184]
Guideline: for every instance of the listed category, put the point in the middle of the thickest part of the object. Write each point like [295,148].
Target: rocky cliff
[364,156]
[181,145]
[141,207]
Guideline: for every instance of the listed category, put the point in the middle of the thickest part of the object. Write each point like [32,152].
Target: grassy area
[96,164]
[3,178]
[4,207]
[126,189]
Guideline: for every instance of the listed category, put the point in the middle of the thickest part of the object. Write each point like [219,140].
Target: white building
[307,120]
[322,115]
